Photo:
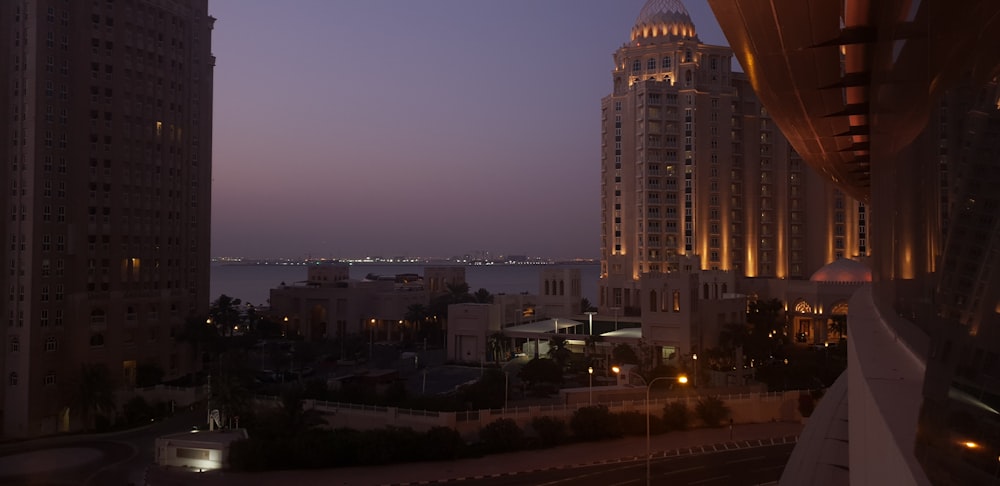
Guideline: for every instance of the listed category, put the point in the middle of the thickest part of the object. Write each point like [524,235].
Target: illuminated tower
[693,166]
[107,176]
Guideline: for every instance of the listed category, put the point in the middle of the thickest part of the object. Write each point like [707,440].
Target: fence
[745,408]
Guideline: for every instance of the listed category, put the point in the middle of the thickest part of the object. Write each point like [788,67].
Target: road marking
[675,471]
[754,458]
[709,480]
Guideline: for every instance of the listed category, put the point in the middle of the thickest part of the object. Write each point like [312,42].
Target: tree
[676,416]
[416,314]
[539,371]
[624,354]
[838,324]
[712,411]
[594,423]
[483,296]
[586,306]
[95,394]
[558,350]
[225,313]
[497,345]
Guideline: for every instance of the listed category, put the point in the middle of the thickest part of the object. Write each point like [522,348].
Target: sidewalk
[412,473]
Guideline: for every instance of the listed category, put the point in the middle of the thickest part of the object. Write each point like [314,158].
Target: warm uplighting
[970,445]
[682,379]
[615,369]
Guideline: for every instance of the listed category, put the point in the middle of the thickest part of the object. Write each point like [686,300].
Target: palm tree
[497,344]
[225,313]
[483,296]
[95,394]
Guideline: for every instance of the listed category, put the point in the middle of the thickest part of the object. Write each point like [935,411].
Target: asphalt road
[748,467]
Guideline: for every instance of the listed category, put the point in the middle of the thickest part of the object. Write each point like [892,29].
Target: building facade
[693,165]
[108,180]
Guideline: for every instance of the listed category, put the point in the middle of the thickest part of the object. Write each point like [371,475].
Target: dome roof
[663,18]
[843,270]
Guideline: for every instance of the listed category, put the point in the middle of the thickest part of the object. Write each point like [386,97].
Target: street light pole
[590,320]
[590,373]
[649,386]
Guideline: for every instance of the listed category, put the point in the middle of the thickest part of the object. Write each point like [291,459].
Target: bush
[442,443]
[502,435]
[676,416]
[594,423]
[632,423]
[712,411]
[551,431]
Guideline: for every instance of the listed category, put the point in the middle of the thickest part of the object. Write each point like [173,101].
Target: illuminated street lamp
[649,455]
[695,358]
[590,373]
[590,321]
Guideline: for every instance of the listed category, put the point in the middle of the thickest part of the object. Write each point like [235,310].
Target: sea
[252,283]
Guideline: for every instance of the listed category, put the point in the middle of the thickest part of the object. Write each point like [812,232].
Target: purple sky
[346,128]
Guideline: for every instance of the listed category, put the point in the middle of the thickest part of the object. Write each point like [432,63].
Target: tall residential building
[693,165]
[107,173]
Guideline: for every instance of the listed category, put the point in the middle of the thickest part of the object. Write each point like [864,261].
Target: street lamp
[695,358]
[590,374]
[616,309]
[590,321]
[680,379]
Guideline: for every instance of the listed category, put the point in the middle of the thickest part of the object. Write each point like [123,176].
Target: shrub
[594,423]
[551,431]
[501,436]
[442,443]
[632,423]
[712,411]
[676,416]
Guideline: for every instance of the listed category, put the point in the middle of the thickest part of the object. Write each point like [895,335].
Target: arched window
[666,63]
[51,344]
[15,344]
[677,301]
[650,64]
[704,291]
[636,65]
[12,379]
[839,309]
[803,307]
[562,287]
[652,301]
[546,287]
[687,56]
[663,300]
[724,289]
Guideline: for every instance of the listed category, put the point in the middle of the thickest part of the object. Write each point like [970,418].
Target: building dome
[843,270]
[663,18]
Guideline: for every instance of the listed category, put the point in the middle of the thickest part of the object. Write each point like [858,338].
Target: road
[750,466]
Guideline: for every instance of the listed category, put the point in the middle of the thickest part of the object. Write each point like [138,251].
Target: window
[50,378]
[15,344]
[651,64]
[636,65]
[666,63]
[51,344]
[12,379]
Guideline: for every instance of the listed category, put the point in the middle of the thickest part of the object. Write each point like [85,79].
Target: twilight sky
[350,128]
